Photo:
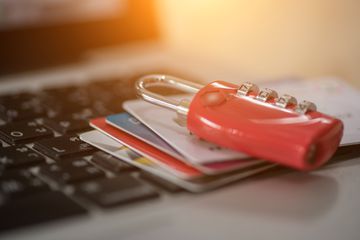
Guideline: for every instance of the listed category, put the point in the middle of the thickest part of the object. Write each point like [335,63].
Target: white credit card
[333,97]
[114,148]
[161,121]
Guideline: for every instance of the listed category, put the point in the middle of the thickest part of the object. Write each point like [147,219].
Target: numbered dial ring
[285,100]
[246,88]
[305,106]
[266,95]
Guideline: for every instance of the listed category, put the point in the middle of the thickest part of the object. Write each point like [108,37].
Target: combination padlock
[256,122]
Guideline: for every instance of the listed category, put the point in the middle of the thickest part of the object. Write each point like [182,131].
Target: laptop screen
[42,33]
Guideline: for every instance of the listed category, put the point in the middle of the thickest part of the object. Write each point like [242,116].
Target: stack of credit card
[147,137]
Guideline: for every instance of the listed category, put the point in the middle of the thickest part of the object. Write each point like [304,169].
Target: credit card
[177,167]
[114,148]
[129,124]
[161,121]
[331,96]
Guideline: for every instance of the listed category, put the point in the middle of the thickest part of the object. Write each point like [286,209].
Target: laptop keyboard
[42,155]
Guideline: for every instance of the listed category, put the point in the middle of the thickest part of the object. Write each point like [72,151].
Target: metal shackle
[181,107]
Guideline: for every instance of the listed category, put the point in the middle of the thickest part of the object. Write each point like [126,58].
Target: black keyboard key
[23,132]
[62,109]
[19,156]
[65,101]
[38,208]
[67,146]
[20,107]
[20,183]
[71,171]
[103,108]
[111,163]
[66,125]
[16,113]
[73,113]
[84,114]
[79,95]
[109,192]
[56,93]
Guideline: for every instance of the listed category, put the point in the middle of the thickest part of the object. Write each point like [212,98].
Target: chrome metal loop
[147,81]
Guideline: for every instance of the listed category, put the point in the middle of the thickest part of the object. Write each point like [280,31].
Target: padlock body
[261,129]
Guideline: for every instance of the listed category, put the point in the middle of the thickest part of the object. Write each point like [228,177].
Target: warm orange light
[267,38]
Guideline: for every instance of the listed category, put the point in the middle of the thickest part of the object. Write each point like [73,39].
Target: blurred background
[268,38]
[257,38]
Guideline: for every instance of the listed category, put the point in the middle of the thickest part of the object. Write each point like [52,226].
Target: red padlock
[256,122]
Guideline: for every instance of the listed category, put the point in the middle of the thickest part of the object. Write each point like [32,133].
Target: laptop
[64,62]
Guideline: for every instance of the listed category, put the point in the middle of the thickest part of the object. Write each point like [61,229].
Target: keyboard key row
[20,107]
[25,199]
[18,157]
[20,183]
[67,146]
[24,132]
[66,125]
[67,172]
